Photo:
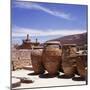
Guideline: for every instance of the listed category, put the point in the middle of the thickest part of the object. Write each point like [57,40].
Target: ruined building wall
[20,58]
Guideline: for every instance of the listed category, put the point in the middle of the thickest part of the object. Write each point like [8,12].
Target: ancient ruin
[28,44]
[50,60]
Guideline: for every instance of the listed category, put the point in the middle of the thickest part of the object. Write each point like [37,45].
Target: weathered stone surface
[21,58]
[15,82]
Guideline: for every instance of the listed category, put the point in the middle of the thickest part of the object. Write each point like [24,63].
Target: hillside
[78,39]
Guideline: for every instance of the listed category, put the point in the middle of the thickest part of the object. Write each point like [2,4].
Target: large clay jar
[37,61]
[68,64]
[52,57]
[81,65]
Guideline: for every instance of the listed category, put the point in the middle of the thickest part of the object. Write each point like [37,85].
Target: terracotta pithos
[37,61]
[52,57]
[81,65]
[68,64]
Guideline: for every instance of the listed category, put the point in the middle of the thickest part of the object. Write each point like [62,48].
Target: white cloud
[30,5]
[21,32]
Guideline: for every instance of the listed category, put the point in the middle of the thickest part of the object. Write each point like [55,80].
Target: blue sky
[46,20]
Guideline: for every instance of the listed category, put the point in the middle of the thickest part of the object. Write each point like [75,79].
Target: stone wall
[20,58]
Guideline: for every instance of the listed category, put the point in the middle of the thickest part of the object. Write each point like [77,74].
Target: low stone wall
[20,58]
